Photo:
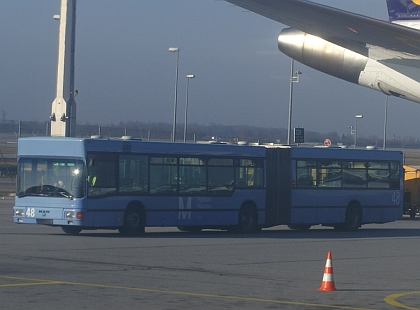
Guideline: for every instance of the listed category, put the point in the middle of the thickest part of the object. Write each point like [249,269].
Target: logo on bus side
[186,206]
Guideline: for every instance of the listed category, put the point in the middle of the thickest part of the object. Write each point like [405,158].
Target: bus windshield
[51,177]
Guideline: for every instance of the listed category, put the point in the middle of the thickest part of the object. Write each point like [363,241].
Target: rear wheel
[134,222]
[353,218]
[247,219]
[71,230]
[413,212]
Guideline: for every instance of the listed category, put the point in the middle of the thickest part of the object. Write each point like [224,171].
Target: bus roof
[77,147]
[65,146]
[345,153]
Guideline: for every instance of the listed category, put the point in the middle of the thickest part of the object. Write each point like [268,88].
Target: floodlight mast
[63,110]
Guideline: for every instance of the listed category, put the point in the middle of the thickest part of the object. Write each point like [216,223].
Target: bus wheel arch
[353,219]
[248,217]
[134,222]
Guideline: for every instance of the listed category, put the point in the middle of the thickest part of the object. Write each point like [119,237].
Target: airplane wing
[391,44]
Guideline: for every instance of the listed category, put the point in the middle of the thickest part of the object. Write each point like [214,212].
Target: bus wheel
[247,219]
[339,227]
[71,230]
[299,226]
[353,218]
[413,212]
[134,222]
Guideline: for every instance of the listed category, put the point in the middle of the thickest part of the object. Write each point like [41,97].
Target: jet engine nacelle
[345,64]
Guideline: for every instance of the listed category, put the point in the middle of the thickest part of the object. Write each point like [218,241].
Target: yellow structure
[411,190]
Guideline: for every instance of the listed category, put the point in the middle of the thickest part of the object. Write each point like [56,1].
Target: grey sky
[124,71]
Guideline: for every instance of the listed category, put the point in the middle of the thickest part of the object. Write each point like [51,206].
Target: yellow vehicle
[411,190]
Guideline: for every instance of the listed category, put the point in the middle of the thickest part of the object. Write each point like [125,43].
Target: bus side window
[306,173]
[329,173]
[102,174]
[91,178]
[249,173]
[163,175]
[192,176]
[394,178]
[133,174]
[220,176]
[305,181]
[354,174]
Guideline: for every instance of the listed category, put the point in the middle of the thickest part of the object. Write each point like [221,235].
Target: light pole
[355,128]
[385,121]
[175,50]
[189,76]
[351,130]
[294,78]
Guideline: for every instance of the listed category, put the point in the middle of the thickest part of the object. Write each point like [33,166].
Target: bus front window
[51,177]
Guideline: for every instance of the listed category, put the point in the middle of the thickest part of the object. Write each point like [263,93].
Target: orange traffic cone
[328,279]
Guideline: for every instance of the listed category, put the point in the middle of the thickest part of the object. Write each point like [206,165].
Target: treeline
[197,132]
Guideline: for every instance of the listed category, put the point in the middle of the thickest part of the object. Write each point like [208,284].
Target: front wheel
[247,219]
[71,230]
[134,222]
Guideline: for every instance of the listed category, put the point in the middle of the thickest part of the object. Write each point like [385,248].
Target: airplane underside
[347,65]
[381,55]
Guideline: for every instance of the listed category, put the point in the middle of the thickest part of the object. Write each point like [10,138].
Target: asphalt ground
[376,267]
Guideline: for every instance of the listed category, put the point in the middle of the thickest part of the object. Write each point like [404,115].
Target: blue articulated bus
[126,184]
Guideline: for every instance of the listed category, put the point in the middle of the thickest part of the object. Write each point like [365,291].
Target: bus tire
[353,218]
[71,230]
[413,212]
[247,222]
[134,222]
[339,227]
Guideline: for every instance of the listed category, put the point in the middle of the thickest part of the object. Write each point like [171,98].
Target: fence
[17,129]
[149,132]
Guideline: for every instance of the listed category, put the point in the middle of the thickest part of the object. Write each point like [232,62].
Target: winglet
[403,10]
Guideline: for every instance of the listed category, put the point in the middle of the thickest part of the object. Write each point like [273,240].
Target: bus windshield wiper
[65,193]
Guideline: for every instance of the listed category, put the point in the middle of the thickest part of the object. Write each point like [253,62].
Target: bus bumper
[48,216]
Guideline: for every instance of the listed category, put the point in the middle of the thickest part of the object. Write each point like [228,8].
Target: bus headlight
[19,212]
[74,215]
[70,214]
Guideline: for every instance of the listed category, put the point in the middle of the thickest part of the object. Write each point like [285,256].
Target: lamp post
[189,76]
[175,50]
[294,78]
[355,128]
[385,121]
